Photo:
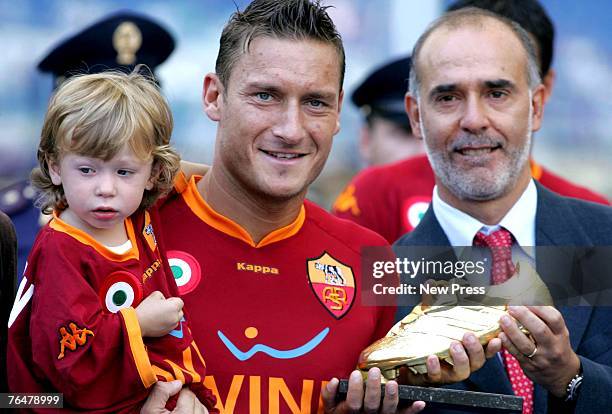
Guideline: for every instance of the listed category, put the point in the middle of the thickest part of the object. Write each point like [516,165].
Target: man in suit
[476,98]
[391,199]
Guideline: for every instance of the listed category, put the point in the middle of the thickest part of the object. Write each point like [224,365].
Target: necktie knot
[499,238]
[500,244]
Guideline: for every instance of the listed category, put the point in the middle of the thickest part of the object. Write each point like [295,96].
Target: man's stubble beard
[465,185]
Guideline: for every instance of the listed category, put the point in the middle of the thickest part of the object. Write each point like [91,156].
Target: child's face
[101,194]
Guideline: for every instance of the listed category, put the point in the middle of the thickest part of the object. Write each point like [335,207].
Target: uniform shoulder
[52,248]
[52,241]
[400,171]
[567,188]
[346,231]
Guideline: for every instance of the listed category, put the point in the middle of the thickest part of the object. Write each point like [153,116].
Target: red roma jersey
[73,328]
[391,199]
[277,319]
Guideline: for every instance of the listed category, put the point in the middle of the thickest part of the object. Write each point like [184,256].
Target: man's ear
[54,171]
[411,106]
[212,96]
[340,100]
[538,99]
[549,83]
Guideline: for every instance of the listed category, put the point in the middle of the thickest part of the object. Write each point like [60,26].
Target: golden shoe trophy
[430,329]
[439,320]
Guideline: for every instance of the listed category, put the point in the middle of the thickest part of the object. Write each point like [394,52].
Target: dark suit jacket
[560,222]
[8,278]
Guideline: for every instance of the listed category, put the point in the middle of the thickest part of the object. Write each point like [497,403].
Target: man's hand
[554,363]
[159,396]
[187,402]
[157,316]
[468,356]
[368,400]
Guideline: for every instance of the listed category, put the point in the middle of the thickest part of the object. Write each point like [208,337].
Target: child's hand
[157,316]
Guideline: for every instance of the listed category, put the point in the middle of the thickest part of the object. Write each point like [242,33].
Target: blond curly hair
[95,116]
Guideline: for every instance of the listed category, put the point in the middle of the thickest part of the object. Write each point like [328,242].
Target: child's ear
[153,178]
[54,172]
[150,184]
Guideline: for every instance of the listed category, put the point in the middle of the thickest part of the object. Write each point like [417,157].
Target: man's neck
[489,212]
[257,215]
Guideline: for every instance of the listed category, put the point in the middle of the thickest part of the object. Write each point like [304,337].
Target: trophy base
[477,402]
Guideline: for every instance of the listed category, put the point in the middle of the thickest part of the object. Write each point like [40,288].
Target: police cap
[119,41]
[382,92]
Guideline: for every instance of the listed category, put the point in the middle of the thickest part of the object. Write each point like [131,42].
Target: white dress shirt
[460,227]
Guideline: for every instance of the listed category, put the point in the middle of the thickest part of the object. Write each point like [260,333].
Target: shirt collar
[460,227]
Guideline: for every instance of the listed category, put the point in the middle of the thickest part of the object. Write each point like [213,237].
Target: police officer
[385,136]
[119,41]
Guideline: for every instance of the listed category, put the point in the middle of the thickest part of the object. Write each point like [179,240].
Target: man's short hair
[281,19]
[472,17]
[529,14]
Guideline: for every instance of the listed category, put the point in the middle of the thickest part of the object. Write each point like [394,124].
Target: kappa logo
[347,202]
[247,267]
[333,284]
[71,340]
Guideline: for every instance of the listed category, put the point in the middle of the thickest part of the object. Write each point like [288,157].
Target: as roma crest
[333,283]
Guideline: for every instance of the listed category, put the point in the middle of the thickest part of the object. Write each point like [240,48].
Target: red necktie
[502,268]
[500,244]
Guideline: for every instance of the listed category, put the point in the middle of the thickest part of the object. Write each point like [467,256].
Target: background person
[476,100]
[385,136]
[8,278]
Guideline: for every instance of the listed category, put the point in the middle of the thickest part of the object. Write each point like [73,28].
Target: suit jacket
[8,278]
[560,222]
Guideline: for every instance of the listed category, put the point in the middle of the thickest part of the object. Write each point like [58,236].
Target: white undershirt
[121,249]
